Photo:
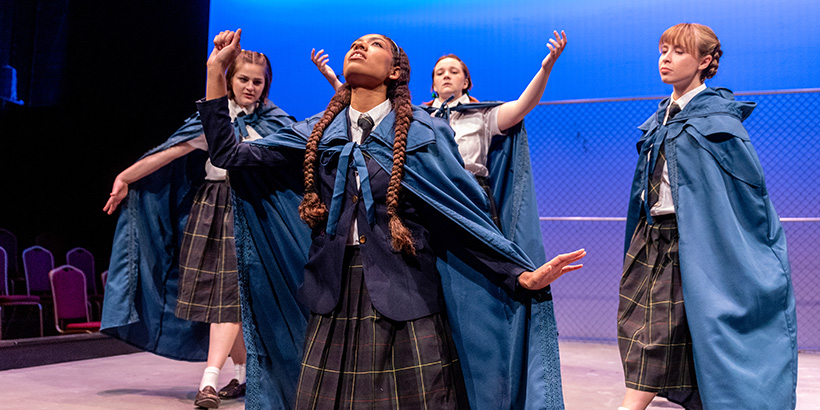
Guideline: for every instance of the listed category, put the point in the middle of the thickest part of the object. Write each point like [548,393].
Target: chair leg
[1,323]
[40,308]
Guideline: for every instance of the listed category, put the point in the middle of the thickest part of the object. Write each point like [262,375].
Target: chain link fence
[583,155]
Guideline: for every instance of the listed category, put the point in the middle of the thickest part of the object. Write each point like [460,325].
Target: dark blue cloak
[141,292]
[498,348]
[734,267]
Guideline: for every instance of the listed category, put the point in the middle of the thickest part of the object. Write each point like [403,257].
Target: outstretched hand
[321,60]
[118,193]
[552,270]
[556,46]
[226,49]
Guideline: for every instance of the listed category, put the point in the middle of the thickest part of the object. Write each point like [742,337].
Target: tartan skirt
[653,335]
[208,284]
[355,358]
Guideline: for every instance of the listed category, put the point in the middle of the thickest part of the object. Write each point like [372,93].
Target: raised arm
[139,170]
[511,113]
[321,63]
[223,148]
[226,49]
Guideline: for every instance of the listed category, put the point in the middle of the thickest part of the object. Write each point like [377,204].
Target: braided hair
[698,40]
[312,210]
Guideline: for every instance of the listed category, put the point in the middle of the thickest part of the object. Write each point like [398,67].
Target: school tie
[674,109]
[657,173]
[366,124]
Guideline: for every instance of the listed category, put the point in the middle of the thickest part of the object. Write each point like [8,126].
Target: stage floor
[591,375]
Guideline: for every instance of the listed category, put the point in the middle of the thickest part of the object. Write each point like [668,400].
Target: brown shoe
[232,390]
[207,398]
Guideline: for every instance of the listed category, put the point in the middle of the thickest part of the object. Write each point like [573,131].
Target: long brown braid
[399,94]
[312,210]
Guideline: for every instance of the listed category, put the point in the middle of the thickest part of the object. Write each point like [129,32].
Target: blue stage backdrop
[612,49]
[583,154]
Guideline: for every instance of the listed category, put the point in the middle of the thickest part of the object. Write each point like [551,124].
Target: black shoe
[207,398]
[232,390]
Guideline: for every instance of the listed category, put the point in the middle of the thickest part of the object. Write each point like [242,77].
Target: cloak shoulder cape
[141,291]
[734,266]
[490,327]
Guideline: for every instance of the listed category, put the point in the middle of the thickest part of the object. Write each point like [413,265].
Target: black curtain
[101,82]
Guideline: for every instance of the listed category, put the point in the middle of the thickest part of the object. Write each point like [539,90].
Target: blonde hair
[698,40]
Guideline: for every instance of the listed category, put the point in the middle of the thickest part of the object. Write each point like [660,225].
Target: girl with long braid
[394,222]
[493,144]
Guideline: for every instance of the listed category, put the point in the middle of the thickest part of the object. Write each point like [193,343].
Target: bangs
[681,35]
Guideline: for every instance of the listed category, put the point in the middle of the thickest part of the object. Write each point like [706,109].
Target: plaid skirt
[208,284]
[653,335]
[356,358]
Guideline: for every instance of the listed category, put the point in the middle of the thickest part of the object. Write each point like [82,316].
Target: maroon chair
[71,301]
[37,263]
[104,278]
[7,300]
[83,260]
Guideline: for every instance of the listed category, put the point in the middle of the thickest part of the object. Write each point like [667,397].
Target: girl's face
[247,84]
[680,68]
[369,62]
[449,79]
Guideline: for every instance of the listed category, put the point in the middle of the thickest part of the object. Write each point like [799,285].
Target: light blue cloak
[734,266]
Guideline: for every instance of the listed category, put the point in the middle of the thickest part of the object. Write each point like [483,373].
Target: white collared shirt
[474,131]
[665,204]
[213,173]
[377,114]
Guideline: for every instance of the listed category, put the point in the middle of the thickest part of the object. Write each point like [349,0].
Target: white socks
[239,370]
[210,377]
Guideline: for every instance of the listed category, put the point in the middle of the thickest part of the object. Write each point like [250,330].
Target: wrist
[215,68]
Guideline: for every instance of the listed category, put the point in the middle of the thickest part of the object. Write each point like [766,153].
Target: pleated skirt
[208,283]
[355,358]
[653,334]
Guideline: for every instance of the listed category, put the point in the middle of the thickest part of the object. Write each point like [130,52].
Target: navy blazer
[401,287]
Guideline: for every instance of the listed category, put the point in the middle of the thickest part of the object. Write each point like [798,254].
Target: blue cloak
[734,267]
[141,292]
[490,327]
[511,182]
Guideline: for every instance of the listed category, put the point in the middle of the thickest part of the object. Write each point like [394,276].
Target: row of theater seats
[67,291]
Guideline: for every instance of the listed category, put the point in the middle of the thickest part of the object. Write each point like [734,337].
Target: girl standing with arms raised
[393,216]
[493,144]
